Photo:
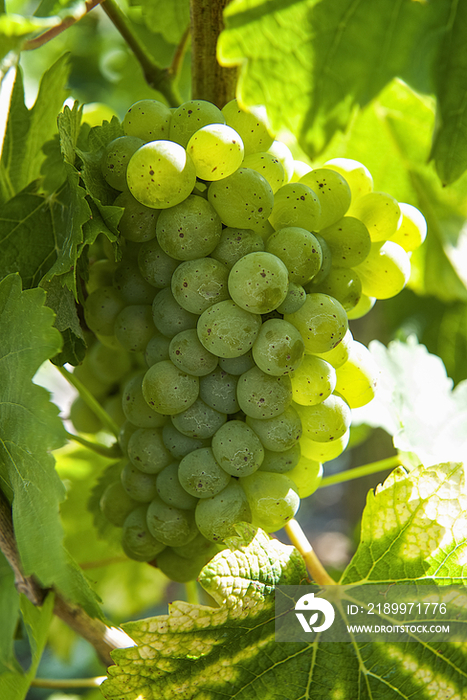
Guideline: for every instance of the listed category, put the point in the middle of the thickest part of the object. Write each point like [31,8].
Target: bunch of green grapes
[240,270]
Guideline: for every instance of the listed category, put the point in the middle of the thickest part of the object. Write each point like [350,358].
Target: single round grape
[348,240]
[325,421]
[237,449]
[187,352]
[385,271]
[364,305]
[306,476]
[101,309]
[342,284]
[199,420]
[126,431]
[281,462]
[179,444]
[171,491]
[172,526]
[262,395]
[357,378]
[147,119]
[134,327]
[340,354]
[198,284]
[227,330]
[273,499]
[98,386]
[296,297]
[109,365]
[325,265]
[191,116]
[234,243]
[251,124]
[136,408]
[279,347]
[179,569]
[146,450]
[217,516]
[299,250]
[296,204]
[412,228]
[313,381]
[237,365]
[322,322]
[333,194]
[113,407]
[267,165]
[324,451]
[101,274]
[283,153]
[216,151]
[201,475]
[157,349]
[198,546]
[160,174]
[357,175]
[219,390]
[116,504]
[131,285]
[169,317]
[115,159]
[189,230]
[279,433]
[139,485]
[169,390]
[155,265]
[243,199]
[83,418]
[379,212]
[137,541]
[137,223]
[258,282]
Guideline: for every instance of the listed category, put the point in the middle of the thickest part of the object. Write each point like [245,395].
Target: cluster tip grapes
[220,341]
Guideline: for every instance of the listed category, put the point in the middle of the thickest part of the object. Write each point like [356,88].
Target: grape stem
[191,590]
[65,683]
[157,78]
[89,399]
[316,570]
[112,451]
[364,470]
[60,27]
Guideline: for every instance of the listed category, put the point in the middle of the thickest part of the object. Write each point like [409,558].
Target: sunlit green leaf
[169,19]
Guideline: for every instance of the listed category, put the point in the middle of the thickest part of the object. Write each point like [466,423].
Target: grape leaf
[15,28]
[9,611]
[413,525]
[170,19]
[29,429]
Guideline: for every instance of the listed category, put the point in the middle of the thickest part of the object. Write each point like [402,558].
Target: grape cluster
[227,321]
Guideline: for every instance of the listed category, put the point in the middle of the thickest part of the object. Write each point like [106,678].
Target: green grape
[180,569]
[412,228]
[189,230]
[322,322]
[140,486]
[101,309]
[273,499]
[178,444]
[234,243]
[168,390]
[251,124]
[325,265]
[147,119]
[264,229]
[201,475]
[160,174]
[283,153]
[237,449]
[126,431]
[107,364]
[171,491]
[155,265]
[199,546]
[295,204]
[325,421]
[379,212]
[333,194]
[187,353]
[199,420]
[357,176]
[281,462]
[237,365]
[169,317]
[364,305]
[296,297]
[101,274]
[348,240]
[258,282]
[323,451]
[116,504]
[97,385]
[157,349]
[299,250]
[243,199]
[134,327]
[137,541]
[313,381]
[386,270]
[306,476]
[172,526]
[216,150]
[131,285]
[113,407]
[357,378]
[198,284]
[268,166]
[340,354]
[137,223]
[83,418]
[190,117]
[219,390]
[342,284]
[279,347]
[262,395]
[147,451]
[279,433]
[136,408]
[110,341]
[115,159]
[227,330]
[217,516]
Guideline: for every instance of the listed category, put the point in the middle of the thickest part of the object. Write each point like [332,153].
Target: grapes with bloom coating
[217,516]
[201,475]
[348,240]
[234,243]
[187,353]
[137,541]
[268,166]
[262,395]
[237,449]
[243,199]
[279,433]
[273,499]
[295,204]
[333,194]
[199,420]
[146,450]
[117,155]
[171,526]
[171,491]
[147,119]
[342,284]
[227,330]
[299,250]
[321,320]
[279,347]
[216,151]
[169,390]
[190,229]
[191,116]
[200,283]
[258,282]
